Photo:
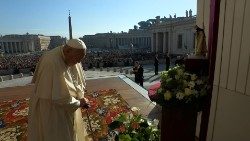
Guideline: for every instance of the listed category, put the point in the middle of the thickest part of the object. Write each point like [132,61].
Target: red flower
[122,128]
[135,125]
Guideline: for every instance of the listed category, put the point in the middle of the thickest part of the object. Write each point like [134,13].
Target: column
[19,47]
[153,42]
[6,47]
[2,48]
[122,39]
[10,47]
[157,42]
[22,47]
[15,45]
[170,34]
[119,41]
[149,43]
[164,42]
[26,47]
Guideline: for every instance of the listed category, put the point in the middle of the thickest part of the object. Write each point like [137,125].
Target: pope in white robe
[55,105]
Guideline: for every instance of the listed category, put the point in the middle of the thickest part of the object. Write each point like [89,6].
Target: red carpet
[105,105]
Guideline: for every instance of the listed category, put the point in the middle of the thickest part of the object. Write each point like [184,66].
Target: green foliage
[132,126]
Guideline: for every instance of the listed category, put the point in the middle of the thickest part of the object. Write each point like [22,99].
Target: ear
[68,49]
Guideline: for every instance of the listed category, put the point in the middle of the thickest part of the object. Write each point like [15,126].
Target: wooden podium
[197,64]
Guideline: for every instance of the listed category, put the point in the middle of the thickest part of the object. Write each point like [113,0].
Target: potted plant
[132,126]
[181,95]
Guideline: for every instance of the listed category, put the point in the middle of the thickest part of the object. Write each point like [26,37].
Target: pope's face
[74,56]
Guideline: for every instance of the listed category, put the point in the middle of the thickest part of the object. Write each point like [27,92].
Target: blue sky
[50,17]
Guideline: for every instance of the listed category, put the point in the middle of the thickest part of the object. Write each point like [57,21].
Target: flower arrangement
[181,88]
[132,126]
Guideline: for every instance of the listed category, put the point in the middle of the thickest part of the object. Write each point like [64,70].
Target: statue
[158,19]
[190,13]
[170,16]
[186,13]
[200,42]
[174,15]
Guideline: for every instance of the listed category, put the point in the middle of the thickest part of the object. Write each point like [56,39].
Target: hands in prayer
[84,103]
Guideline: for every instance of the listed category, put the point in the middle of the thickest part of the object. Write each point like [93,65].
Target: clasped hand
[84,103]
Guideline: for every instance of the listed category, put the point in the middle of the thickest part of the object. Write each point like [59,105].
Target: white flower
[110,100]
[130,116]
[188,91]
[199,82]
[23,112]
[177,77]
[141,120]
[191,84]
[135,109]
[167,95]
[149,122]
[193,77]
[180,72]
[180,95]
[155,122]
[9,134]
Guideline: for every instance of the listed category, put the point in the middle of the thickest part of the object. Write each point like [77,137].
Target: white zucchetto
[76,43]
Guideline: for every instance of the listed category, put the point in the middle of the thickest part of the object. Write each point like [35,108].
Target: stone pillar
[5,47]
[19,47]
[8,47]
[149,41]
[24,47]
[15,45]
[2,46]
[170,42]
[157,42]
[11,47]
[152,43]
[164,42]
[27,47]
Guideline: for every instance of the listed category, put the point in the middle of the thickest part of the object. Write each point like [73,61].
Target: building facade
[56,41]
[174,36]
[123,40]
[13,44]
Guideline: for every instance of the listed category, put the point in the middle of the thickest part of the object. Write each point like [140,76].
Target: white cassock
[55,113]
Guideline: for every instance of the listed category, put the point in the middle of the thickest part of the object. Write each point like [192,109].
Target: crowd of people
[19,61]
[101,58]
[116,58]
